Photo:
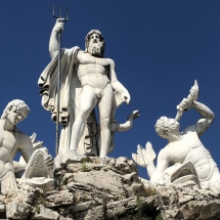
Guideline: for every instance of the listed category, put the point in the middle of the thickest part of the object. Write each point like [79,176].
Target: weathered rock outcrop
[95,189]
[188,201]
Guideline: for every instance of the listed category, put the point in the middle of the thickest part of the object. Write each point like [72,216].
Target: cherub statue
[182,148]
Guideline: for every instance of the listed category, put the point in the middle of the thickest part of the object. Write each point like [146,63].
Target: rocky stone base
[188,201]
[95,189]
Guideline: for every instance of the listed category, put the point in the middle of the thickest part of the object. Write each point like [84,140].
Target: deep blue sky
[159,48]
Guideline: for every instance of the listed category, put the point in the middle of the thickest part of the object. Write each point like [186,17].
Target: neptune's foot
[67,156]
[73,154]
[105,158]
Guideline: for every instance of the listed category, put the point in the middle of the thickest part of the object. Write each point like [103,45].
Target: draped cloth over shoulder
[69,100]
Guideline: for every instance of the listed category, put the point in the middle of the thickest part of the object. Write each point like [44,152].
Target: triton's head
[166,125]
[95,44]
[15,111]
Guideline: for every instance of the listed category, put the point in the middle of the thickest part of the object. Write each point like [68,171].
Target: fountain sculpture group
[88,80]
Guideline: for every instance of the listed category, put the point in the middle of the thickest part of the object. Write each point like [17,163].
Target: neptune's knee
[84,115]
[105,124]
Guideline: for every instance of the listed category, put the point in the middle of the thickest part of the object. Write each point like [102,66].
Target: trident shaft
[58,75]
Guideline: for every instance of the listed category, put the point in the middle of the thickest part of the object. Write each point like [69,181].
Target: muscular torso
[191,149]
[92,71]
[8,149]
[9,146]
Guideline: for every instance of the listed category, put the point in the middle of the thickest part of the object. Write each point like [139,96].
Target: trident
[58,75]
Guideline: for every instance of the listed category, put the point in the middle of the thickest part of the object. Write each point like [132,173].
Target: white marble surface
[92,82]
[13,140]
[182,147]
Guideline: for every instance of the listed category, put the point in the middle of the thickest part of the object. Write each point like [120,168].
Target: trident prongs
[60,13]
[67,15]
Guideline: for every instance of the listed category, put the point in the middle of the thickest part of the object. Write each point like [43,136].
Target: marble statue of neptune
[88,79]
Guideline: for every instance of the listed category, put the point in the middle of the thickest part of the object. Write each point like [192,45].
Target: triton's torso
[92,71]
[8,146]
[191,149]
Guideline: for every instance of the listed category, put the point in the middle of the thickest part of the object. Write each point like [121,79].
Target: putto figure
[13,140]
[87,79]
[183,149]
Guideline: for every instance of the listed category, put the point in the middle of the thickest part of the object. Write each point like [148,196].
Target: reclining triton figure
[183,148]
